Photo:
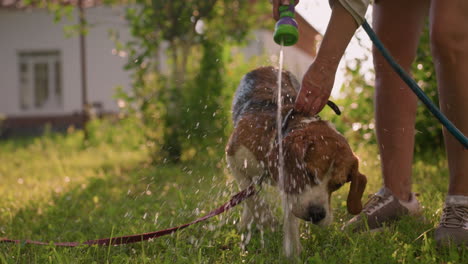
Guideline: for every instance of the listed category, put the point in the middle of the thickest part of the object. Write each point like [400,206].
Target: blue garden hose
[415,88]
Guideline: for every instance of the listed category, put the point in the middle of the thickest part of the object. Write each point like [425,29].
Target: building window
[40,80]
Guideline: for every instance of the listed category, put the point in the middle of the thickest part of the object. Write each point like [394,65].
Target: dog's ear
[358,184]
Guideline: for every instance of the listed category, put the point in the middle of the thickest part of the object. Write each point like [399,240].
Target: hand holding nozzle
[318,81]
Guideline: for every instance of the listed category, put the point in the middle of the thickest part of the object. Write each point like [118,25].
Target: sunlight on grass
[54,188]
[44,168]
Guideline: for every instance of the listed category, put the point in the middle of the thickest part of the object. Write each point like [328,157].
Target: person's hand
[319,78]
[277,3]
[316,88]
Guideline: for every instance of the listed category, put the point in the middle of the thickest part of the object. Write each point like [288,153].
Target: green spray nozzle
[286,30]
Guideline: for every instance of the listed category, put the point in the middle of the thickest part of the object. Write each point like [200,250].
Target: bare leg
[449,40]
[395,102]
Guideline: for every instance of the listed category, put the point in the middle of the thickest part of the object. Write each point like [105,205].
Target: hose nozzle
[286,31]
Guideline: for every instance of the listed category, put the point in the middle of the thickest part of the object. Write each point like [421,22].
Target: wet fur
[318,160]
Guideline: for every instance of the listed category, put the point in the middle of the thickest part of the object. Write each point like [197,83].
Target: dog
[317,158]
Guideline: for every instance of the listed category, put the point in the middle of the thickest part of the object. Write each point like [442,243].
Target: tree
[196,32]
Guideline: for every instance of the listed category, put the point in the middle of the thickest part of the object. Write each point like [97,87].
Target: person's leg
[449,41]
[398,23]
[449,44]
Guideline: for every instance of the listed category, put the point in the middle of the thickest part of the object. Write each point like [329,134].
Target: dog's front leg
[291,242]
[246,170]
[257,212]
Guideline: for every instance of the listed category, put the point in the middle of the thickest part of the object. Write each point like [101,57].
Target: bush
[123,133]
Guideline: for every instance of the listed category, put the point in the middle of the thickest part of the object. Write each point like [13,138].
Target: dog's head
[318,161]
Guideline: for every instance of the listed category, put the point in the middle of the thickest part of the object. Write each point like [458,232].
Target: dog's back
[257,92]
[254,111]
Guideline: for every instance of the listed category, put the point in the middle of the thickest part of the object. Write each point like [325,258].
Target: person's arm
[319,78]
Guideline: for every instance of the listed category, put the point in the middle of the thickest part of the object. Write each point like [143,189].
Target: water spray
[286,34]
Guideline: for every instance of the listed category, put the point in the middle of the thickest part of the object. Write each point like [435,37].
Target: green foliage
[205,118]
[356,101]
[116,131]
[180,98]
[62,10]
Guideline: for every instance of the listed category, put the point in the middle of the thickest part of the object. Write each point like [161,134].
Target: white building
[40,68]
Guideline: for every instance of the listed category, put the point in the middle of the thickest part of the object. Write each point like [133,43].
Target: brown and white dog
[317,158]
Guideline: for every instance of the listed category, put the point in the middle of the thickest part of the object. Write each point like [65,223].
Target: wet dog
[318,159]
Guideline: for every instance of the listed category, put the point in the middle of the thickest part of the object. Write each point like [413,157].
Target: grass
[55,189]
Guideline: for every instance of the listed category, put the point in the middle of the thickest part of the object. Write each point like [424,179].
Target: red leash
[235,200]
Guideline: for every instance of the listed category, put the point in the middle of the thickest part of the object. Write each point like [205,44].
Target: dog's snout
[316,213]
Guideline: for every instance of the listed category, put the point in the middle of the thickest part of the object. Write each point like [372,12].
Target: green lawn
[55,189]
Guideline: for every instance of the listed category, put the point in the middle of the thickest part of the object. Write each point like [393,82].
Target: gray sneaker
[453,226]
[383,207]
